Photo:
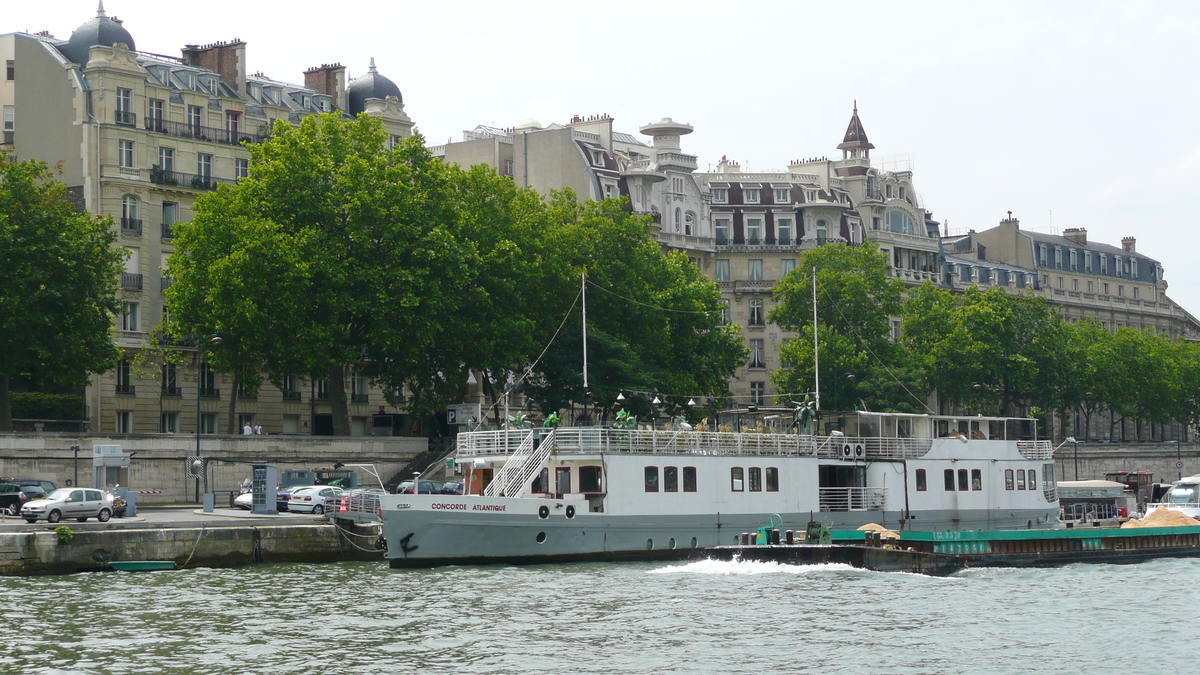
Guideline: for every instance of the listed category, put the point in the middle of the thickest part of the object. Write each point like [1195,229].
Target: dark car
[451,488]
[14,492]
[428,487]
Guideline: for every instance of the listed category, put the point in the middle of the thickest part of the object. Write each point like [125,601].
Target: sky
[1068,114]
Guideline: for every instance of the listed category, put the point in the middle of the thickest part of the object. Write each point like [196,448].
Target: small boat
[1183,497]
[141,565]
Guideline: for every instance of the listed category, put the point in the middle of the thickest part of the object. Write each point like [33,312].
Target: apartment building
[140,136]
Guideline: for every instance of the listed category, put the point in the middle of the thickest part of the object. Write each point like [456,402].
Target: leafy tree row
[990,352]
[339,251]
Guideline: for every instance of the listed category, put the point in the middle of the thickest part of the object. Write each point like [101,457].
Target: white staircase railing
[512,480]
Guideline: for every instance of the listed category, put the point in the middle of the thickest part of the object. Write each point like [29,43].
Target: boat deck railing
[852,498]
[1036,449]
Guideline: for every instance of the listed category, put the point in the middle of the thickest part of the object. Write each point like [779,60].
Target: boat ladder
[526,461]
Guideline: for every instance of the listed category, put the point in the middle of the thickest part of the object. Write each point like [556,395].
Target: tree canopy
[60,278]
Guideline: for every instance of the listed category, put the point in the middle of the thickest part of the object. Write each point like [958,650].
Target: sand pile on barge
[1161,517]
[883,531]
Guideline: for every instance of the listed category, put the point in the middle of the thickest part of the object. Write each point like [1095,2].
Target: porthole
[570,511]
[672,542]
[541,537]
[544,512]
[694,542]
[649,544]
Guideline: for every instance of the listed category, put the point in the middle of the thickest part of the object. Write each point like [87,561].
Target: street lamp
[1075,446]
[200,345]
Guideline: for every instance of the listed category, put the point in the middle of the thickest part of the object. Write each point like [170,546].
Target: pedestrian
[258,429]
[246,430]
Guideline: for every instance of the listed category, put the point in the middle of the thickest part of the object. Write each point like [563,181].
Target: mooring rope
[203,528]
[344,533]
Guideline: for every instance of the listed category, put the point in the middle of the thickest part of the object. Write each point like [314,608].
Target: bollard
[745,539]
[775,536]
[790,537]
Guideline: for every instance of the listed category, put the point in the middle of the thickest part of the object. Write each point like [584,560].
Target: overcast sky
[1069,114]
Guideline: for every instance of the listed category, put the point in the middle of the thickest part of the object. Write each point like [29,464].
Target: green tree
[856,299]
[59,294]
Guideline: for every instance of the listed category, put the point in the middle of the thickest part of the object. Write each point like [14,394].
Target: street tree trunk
[337,401]
[232,427]
[6,417]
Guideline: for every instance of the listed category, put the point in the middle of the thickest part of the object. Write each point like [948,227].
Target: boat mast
[816,356]
[583,292]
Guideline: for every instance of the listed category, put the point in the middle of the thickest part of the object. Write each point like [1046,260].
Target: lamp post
[1075,446]
[1178,456]
[200,345]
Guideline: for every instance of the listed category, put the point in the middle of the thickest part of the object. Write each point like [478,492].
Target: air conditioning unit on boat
[847,451]
[859,451]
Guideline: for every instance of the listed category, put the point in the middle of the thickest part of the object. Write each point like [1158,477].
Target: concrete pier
[91,547]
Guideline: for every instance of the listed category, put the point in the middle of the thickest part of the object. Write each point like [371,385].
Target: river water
[677,617]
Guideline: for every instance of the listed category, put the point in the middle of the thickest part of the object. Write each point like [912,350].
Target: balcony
[131,226]
[676,159]
[201,133]
[126,388]
[291,396]
[166,231]
[191,181]
[171,390]
[359,398]
[722,241]
[131,281]
[126,118]
[210,392]
[164,283]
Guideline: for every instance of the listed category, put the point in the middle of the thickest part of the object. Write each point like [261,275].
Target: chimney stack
[1077,235]
[1129,244]
[227,59]
[329,79]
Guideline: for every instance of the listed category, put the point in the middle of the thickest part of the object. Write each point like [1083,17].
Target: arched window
[822,231]
[689,223]
[129,207]
[678,218]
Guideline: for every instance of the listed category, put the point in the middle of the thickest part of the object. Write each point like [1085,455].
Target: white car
[77,503]
[244,501]
[315,499]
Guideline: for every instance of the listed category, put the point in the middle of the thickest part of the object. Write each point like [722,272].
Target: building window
[124,379]
[755,482]
[129,316]
[689,479]
[1087,261]
[754,231]
[722,270]
[154,117]
[689,223]
[670,479]
[921,484]
[1042,255]
[722,231]
[1103,264]
[726,313]
[720,195]
[508,163]
[208,380]
[754,270]
[898,221]
[125,106]
[1120,291]
[750,195]
[1074,259]
[948,480]
[193,119]
[10,116]
[1058,257]
[736,479]
[589,479]
[1135,293]
[1060,283]
[756,312]
[241,168]
[782,195]
[125,154]
[1091,287]
[757,359]
[772,479]
[1074,284]
[651,474]
[1117,268]
[963,481]
[170,379]
[1008,479]
[130,223]
[208,423]
[166,159]
[1133,274]
[10,70]
[783,228]
[204,165]
[168,423]
[758,392]
[786,265]
[232,123]
[1106,288]
[124,422]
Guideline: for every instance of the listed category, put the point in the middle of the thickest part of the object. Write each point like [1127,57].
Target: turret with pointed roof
[856,138]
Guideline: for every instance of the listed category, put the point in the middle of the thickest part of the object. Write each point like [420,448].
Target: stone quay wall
[158,469]
[1096,459]
[42,552]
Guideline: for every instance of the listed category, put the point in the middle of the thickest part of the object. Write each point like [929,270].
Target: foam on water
[745,567]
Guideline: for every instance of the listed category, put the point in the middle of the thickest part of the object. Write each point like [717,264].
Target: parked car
[315,499]
[46,486]
[244,500]
[451,488]
[14,492]
[428,487]
[77,503]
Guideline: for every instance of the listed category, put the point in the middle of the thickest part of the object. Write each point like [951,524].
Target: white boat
[599,493]
[1184,497]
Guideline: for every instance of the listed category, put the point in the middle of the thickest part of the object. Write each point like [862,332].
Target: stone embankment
[44,551]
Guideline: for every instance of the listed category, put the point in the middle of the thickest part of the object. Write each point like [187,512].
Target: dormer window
[1042,254]
[1074,259]
[1087,261]
[719,195]
[1117,265]
[902,192]
[751,195]
[1133,269]
[1103,264]
[597,158]
[1058,257]
[782,195]
[810,195]
[888,191]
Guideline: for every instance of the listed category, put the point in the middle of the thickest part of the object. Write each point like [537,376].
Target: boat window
[976,479]
[1020,479]
[562,480]
[949,476]
[903,428]
[755,479]
[1033,480]
[735,479]
[996,430]
[772,479]
[689,479]
[1184,493]
[589,479]
[541,484]
[943,428]
[1008,479]
[921,480]
[652,479]
[670,479]
[962,480]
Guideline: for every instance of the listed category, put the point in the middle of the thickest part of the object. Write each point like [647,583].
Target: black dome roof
[99,31]
[371,85]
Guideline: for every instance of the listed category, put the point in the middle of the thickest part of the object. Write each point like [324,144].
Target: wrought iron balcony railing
[203,133]
[126,118]
[131,226]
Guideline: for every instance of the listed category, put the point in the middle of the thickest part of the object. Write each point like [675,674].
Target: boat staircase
[527,461]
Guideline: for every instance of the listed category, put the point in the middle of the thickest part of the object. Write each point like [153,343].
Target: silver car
[77,503]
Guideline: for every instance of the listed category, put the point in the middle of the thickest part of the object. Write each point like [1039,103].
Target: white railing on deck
[1036,449]
[531,456]
[503,480]
[847,447]
[852,498]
